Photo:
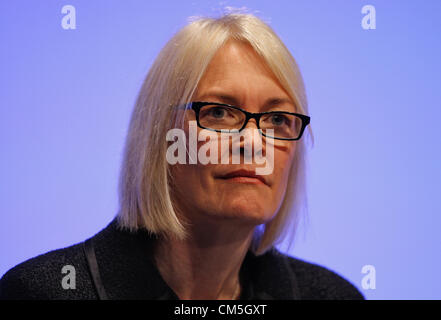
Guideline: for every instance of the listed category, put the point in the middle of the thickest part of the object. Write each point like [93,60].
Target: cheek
[184,183]
[282,163]
[190,182]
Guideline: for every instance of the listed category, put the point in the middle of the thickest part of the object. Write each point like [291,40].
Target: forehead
[236,69]
[236,55]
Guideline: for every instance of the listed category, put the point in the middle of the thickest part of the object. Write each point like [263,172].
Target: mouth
[244,176]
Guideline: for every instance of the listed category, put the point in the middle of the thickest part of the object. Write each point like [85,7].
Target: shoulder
[318,282]
[41,277]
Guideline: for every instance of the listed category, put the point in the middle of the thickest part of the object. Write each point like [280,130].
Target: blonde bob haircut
[145,180]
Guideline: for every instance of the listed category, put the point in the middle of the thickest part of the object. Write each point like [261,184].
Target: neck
[206,264]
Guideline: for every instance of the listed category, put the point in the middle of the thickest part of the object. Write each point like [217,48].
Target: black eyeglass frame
[197,106]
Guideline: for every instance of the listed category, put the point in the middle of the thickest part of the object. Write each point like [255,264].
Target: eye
[279,119]
[217,112]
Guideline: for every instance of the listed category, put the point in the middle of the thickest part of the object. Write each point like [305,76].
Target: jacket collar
[125,262]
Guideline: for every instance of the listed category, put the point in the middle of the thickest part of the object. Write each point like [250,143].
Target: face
[236,76]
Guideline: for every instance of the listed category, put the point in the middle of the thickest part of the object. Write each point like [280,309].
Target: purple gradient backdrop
[374,172]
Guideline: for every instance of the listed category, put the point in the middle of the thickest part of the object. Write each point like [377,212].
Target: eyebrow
[224,98]
[229,99]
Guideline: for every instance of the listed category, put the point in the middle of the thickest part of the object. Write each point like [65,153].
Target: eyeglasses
[219,117]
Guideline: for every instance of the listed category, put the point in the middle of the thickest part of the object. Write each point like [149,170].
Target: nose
[251,141]
[252,124]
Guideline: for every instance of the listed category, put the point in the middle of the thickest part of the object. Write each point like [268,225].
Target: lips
[244,176]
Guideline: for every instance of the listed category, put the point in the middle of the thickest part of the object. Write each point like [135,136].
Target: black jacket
[126,271]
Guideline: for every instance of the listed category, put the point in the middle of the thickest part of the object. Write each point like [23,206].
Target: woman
[202,229]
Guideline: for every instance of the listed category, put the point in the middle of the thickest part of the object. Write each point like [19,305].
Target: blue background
[374,171]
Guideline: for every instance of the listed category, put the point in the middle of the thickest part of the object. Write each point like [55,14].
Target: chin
[250,213]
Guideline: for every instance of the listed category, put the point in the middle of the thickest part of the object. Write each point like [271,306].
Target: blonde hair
[144,186]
